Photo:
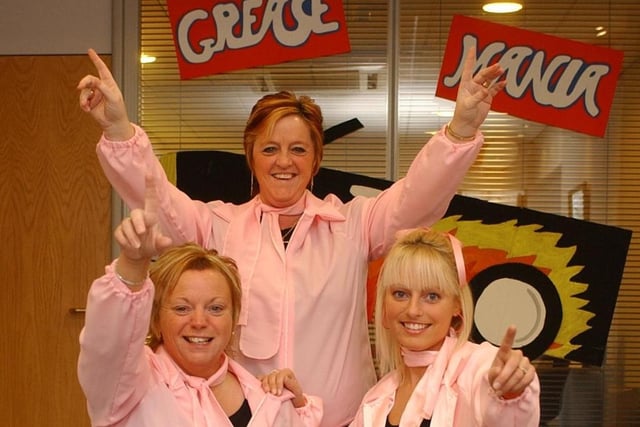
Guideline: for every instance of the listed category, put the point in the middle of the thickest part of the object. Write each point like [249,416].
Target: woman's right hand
[278,379]
[511,371]
[101,97]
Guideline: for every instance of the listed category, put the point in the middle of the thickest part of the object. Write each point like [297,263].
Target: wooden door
[55,232]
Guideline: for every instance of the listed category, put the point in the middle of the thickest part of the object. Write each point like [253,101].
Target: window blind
[522,163]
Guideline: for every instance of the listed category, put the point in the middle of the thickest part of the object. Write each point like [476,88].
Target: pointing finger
[508,339]
[505,362]
[505,346]
[103,70]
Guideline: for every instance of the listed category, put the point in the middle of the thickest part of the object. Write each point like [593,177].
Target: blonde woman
[433,375]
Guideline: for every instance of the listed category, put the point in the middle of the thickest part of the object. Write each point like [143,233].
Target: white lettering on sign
[226,15]
[561,83]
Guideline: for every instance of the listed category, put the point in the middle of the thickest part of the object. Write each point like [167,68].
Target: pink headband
[457,253]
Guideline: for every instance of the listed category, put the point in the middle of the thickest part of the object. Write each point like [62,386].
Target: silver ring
[275,371]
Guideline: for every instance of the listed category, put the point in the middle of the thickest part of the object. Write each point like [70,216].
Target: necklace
[287,232]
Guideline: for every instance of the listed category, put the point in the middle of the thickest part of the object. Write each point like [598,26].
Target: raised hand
[475,94]
[511,371]
[101,97]
[139,236]
[275,381]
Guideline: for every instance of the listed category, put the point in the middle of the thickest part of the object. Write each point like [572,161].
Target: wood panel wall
[55,231]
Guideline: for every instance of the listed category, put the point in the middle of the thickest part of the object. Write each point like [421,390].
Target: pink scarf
[204,404]
[296,209]
[414,359]
[425,395]
[257,230]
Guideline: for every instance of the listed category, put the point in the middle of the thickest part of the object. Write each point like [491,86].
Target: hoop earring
[457,322]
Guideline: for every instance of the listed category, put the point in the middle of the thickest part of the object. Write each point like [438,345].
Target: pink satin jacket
[127,384]
[454,391]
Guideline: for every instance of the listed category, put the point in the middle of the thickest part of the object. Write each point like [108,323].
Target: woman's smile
[414,327]
[199,340]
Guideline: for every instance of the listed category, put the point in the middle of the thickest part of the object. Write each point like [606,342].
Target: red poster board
[551,80]
[218,36]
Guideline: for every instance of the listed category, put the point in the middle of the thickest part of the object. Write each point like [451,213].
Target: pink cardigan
[303,308]
[127,384]
[454,391]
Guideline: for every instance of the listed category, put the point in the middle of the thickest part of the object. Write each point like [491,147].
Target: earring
[311,185]
[251,187]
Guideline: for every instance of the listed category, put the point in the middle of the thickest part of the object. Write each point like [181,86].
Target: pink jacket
[127,384]
[303,308]
[454,391]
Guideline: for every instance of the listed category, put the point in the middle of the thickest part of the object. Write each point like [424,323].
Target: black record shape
[537,294]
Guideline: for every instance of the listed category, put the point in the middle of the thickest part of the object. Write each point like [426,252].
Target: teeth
[283,175]
[415,326]
[198,340]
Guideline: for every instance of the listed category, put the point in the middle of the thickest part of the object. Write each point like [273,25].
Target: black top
[242,416]
[424,423]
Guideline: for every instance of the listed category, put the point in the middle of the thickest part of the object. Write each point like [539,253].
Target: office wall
[63,27]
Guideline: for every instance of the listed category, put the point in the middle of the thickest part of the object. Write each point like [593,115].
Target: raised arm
[112,367]
[423,195]
[126,156]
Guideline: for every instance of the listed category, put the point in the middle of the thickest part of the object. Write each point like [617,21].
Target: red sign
[217,36]
[559,82]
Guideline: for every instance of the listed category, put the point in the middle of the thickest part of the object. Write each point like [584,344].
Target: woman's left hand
[511,371]
[475,95]
[278,379]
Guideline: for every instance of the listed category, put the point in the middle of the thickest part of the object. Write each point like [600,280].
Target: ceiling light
[147,59]
[502,7]
[600,31]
